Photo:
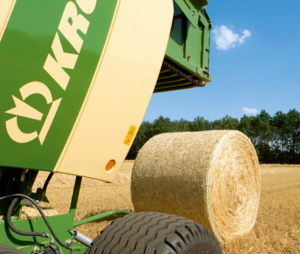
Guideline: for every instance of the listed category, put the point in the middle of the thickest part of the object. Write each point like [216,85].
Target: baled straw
[211,177]
[32,213]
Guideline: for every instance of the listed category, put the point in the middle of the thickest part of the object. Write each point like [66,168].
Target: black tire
[155,233]
[10,250]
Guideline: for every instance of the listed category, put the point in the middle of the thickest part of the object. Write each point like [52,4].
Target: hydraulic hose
[47,182]
[13,228]
[46,185]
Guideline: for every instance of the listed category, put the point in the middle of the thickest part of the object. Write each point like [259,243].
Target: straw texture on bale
[211,177]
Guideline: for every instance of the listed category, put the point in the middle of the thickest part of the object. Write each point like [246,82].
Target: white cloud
[225,38]
[250,111]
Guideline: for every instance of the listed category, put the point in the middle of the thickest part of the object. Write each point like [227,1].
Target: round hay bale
[211,177]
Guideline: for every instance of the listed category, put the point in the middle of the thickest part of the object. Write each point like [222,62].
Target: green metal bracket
[189,43]
[38,196]
[199,3]
[99,216]
[61,225]
[189,11]
[75,196]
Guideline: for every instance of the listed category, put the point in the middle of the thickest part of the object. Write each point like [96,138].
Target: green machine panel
[48,55]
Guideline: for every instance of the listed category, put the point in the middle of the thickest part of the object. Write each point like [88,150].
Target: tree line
[275,138]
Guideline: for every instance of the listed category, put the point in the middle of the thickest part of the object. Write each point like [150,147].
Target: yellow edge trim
[7,18]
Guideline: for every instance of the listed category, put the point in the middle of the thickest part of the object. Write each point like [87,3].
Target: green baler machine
[76,78]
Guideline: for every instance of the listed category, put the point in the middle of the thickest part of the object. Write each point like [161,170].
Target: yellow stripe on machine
[6,7]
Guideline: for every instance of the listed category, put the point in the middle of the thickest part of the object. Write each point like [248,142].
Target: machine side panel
[49,53]
[189,45]
[121,89]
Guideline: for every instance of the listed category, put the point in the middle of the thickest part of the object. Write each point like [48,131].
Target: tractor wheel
[155,233]
[10,250]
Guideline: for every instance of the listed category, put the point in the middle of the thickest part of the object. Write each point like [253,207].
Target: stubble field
[277,229]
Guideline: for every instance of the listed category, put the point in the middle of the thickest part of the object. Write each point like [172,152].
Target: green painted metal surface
[191,8]
[189,43]
[75,196]
[60,224]
[189,11]
[199,3]
[26,82]
[99,216]
[28,39]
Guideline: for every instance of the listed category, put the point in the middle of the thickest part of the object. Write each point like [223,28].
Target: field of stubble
[277,229]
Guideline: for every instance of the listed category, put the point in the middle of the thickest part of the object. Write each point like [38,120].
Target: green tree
[259,130]
[180,126]
[162,125]
[225,123]
[287,136]
[199,124]
[276,139]
[230,123]
[293,128]
[280,143]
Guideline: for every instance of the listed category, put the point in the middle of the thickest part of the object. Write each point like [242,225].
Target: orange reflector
[110,165]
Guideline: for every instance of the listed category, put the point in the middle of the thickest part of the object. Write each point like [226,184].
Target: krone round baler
[76,78]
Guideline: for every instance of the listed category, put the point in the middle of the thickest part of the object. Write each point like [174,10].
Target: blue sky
[262,71]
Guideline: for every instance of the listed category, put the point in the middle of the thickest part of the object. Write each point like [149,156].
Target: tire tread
[10,250]
[151,233]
